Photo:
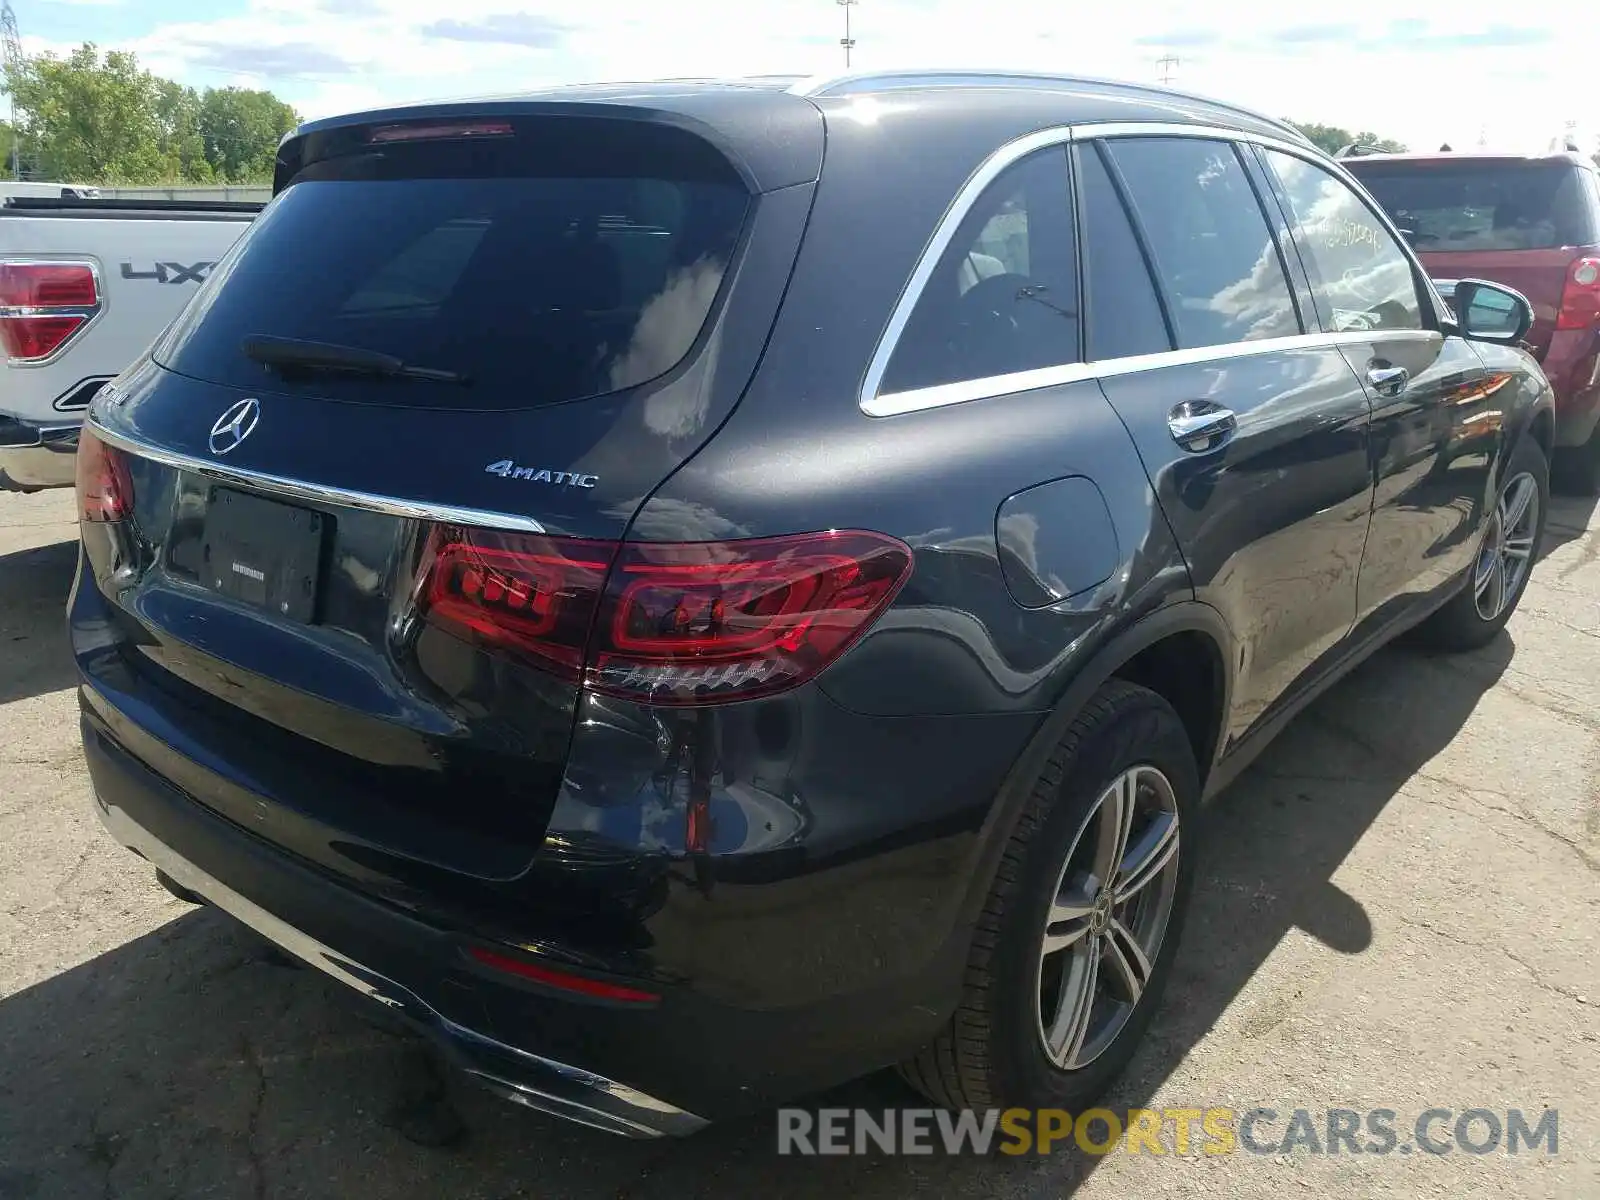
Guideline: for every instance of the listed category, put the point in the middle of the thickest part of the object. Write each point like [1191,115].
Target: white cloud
[1399,67]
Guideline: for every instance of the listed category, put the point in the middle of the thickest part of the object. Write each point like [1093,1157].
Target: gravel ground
[1398,908]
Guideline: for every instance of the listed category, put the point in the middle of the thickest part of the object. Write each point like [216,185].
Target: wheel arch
[1153,652]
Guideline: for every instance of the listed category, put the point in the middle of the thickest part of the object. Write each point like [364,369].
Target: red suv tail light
[526,593]
[44,305]
[670,623]
[105,490]
[1580,299]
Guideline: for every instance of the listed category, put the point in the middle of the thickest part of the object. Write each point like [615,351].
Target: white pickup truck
[85,286]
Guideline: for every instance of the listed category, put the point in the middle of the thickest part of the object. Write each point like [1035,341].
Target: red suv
[1532,224]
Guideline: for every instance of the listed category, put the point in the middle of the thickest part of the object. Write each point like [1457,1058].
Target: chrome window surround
[316,493]
[876,403]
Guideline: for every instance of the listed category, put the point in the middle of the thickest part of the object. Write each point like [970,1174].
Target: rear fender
[1185,616]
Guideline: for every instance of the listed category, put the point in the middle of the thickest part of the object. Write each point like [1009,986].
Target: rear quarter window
[574,259]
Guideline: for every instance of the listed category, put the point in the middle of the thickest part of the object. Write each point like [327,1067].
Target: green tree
[241,130]
[1332,138]
[183,146]
[90,118]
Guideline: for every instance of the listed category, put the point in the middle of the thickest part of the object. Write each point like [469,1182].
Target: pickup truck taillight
[1580,299]
[44,305]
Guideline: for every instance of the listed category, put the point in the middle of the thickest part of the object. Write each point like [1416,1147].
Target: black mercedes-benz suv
[692,592]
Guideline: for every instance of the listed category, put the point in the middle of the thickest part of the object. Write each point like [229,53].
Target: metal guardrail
[253,194]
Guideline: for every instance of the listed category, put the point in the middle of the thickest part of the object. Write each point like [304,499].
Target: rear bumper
[164,828]
[35,456]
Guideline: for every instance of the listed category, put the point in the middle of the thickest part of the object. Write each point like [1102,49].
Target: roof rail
[856,82]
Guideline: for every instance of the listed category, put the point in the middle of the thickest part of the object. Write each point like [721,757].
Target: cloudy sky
[1422,72]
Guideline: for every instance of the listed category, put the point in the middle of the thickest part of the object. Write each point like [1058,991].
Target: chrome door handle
[1200,425]
[1388,381]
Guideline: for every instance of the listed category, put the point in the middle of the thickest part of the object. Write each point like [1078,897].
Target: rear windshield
[1483,206]
[575,257]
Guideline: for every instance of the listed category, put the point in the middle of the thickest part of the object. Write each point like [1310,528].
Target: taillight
[526,593]
[705,621]
[669,623]
[105,490]
[44,305]
[1580,299]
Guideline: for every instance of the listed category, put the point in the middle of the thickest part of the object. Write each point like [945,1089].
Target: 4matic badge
[507,469]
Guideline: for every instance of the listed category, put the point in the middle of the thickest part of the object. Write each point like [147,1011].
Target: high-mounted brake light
[105,489]
[668,623]
[433,131]
[44,305]
[1580,299]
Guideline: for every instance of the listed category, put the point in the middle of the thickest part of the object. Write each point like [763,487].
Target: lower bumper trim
[515,1074]
[35,457]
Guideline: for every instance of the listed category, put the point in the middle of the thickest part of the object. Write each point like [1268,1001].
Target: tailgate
[343,593]
[1540,275]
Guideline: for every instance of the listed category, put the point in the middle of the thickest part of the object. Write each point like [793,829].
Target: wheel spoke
[1075,1002]
[1068,920]
[1515,505]
[1483,575]
[1148,855]
[1519,548]
[1127,961]
[1116,817]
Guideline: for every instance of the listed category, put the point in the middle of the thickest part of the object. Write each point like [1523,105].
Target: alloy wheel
[1507,552]
[1109,917]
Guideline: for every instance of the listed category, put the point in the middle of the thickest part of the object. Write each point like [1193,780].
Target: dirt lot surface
[1398,908]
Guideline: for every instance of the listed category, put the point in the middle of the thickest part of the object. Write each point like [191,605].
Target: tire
[993,1053]
[1464,623]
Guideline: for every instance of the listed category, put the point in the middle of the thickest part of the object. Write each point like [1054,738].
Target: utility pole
[14,64]
[1167,65]
[848,42]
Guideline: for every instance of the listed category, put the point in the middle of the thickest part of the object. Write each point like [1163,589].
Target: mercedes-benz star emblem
[235,425]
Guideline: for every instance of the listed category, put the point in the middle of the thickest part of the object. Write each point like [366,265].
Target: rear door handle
[1200,425]
[1388,381]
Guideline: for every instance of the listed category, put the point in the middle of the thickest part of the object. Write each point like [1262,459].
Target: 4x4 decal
[170,272]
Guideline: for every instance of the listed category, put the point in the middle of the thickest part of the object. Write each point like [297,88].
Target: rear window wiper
[298,353]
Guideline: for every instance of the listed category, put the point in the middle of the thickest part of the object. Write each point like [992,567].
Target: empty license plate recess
[262,552]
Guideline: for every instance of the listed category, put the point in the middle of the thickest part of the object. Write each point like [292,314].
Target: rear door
[1435,426]
[1254,433]
[381,463]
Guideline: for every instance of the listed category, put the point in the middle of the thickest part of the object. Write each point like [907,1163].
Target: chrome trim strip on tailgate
[316,493]
[537,1082]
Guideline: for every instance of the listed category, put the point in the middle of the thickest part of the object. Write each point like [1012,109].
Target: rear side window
[1361,277]
[1483,206]
[1003,296]
[572,259]
[1123,309]
[1213,249]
